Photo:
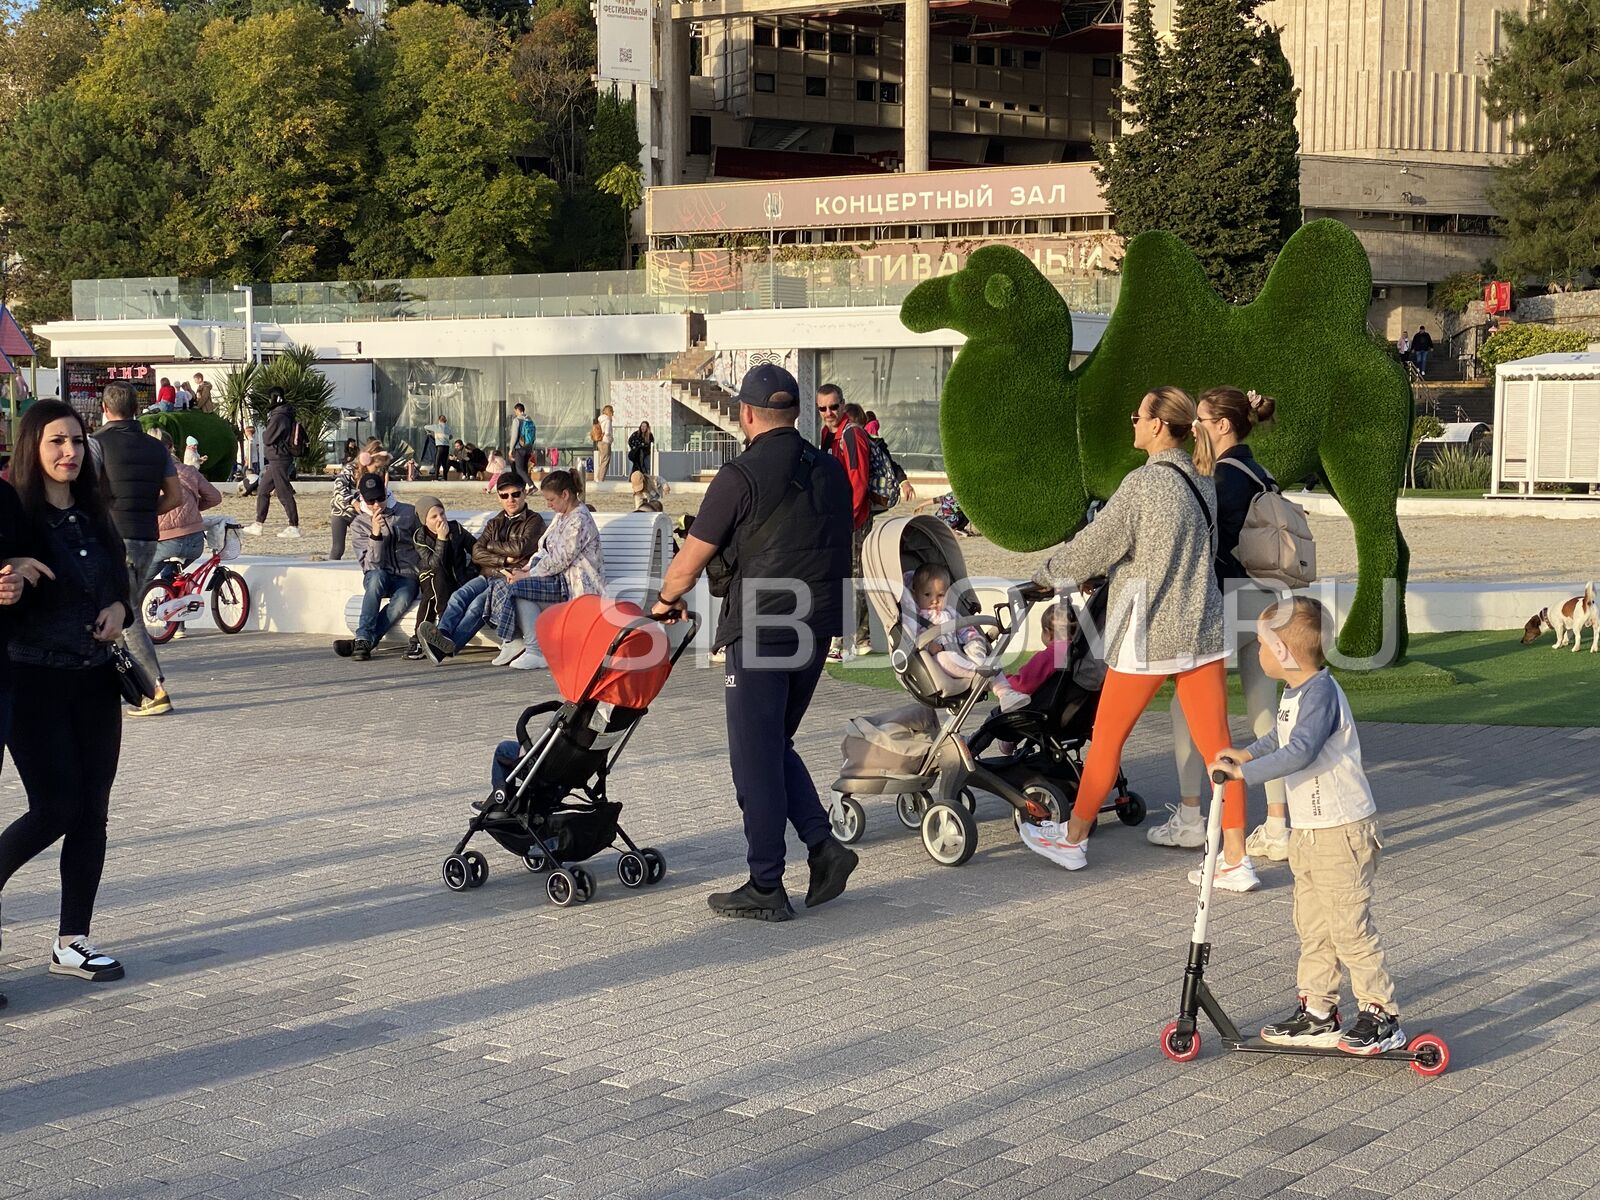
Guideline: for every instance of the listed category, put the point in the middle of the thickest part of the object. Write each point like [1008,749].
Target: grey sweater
[1154,546]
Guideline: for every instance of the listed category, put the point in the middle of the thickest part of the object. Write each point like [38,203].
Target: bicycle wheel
[230,601]
[156,594]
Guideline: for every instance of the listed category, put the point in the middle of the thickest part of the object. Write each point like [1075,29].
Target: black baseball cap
[510,479]
[769,386]
[372,488]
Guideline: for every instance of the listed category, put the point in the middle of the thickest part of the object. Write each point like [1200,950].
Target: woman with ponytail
[1227,416]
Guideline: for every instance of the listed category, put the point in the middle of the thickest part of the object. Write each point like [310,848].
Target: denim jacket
[54,625]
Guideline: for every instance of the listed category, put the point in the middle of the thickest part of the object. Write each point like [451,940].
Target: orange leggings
[1202,692]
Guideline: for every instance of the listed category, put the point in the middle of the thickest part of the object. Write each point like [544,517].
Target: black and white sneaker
[1374,1032]
[344,647]
[752,903]
[361,650]
[80,958]
[414,651]
[434,644]
[1304,1028]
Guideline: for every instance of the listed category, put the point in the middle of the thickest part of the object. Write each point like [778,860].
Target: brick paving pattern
[309,1013]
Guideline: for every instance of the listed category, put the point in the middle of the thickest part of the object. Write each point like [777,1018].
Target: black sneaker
[361,650]
[434,644]
[1304,1028]
[414,651]
[756,904]
[831,863]
[79,958]
[344,647]
[1374,1032]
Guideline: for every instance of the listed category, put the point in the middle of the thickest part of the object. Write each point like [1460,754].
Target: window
[1011,106]
[1032,60]
[958,102]
[699,135]
[764,35]
[789,39]
[865,44]
[865,90]
[889,93]
[960,52]
[816,40]
[765,82]
[986,56]
[985,103]
[1008,57]
[816,85]
[839,43]
[1038,108]
[1102,67]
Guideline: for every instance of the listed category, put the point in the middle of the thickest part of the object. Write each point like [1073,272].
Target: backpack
[1275,544]
[884,475]
[298,437]
[596,434]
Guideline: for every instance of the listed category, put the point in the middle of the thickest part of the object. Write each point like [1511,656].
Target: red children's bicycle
[178,593]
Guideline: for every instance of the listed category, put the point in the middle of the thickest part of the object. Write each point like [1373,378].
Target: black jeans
[441,463]
[275,478]
[340,525]
[66,737]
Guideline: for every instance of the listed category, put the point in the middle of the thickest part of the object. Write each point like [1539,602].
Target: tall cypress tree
[1211,152]
[1547,84]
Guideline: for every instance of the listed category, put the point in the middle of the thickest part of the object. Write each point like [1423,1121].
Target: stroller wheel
[656,862]
[585,883]
[848,820]
[561,887]
[1131,810]
[535,861]
[1051,800]
[477,868]
[949,834]
[457,875]
[909,807]
[967,800]
[632,870]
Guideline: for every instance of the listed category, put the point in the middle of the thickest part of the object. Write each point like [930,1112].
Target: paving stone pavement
[309,1013]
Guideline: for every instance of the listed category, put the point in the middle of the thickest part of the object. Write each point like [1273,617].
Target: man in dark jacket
[444,561]
[1421,348]
[847,441]
[142,483]
[383,534]
[507,542]
[278,456]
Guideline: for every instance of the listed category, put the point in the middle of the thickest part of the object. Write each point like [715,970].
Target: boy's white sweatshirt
[1315,750]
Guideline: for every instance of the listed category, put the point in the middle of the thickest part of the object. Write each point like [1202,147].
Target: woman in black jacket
[444,561]
[66,730]
[640,442]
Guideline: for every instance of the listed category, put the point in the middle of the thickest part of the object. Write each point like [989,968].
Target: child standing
[1334,848]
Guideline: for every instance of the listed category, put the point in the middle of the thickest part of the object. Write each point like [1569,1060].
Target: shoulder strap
[1205,509]
[1268,484]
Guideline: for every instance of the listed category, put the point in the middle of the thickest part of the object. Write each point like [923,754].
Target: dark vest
[810,546]
[133,464]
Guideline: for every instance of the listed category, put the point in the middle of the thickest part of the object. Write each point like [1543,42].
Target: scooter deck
[1256,1045]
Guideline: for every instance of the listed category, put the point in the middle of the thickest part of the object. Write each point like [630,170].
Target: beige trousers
[602,460]
[1333,872]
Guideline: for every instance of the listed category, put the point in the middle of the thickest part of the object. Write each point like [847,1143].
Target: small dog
[1572,617]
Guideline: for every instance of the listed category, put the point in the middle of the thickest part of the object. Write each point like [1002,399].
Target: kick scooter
[1180,1040]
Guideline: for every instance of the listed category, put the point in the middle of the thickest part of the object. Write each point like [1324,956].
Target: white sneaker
[863,649]
[1241,877]
[1050,840]
[1010,699]
[509,651]
[1185,833]
[1261,844]
[289,531]
[82,960]
[254,529]
[531,660]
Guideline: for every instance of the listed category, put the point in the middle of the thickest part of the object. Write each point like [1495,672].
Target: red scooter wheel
[1433,1056]
[1180,1049]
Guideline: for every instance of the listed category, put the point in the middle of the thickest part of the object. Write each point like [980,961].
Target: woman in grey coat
[1154,541]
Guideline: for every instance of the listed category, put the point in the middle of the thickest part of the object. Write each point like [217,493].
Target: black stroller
[550,805]
[1049,733]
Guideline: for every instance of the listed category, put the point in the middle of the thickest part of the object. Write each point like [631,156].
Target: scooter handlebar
[1221,777]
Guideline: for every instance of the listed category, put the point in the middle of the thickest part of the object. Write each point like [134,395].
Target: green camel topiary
[1028,441]
[217,438]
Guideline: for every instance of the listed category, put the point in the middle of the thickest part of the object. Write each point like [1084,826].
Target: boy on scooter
[1335,846]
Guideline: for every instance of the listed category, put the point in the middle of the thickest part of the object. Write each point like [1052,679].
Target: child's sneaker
[1010,699]
[1261,844]
[1374,1032]
[1050,840]
[1304,1028]
[836,651]
[1183,828]
[80,958]
[1240,877]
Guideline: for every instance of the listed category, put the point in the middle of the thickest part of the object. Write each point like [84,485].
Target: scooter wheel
[1132,810]
[848,820]
[1432,1055]
[1177,1047]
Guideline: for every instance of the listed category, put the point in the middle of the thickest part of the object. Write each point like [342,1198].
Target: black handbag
[135,681]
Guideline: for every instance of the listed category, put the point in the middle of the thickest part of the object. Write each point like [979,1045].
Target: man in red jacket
[847,442]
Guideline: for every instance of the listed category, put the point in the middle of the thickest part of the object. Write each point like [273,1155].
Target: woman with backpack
[600,434]
[1228,416]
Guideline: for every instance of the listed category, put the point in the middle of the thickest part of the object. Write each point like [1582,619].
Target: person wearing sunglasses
[506,544]
[844,438]
[1154,541]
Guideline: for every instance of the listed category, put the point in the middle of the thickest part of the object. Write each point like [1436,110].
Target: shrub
[1457,469]
[1524,341]
[1425,426]
[1453,293]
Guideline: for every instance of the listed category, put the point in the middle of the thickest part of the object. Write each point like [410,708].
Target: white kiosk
[1547,421]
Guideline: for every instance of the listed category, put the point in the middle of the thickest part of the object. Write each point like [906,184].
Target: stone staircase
[710,400]
[1472,401]
[693,363]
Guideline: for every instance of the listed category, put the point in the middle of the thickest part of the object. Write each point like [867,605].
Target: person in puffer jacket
[444,561]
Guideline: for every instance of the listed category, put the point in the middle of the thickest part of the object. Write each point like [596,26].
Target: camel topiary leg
[1357,479]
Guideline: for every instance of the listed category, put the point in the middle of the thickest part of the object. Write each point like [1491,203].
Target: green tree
[554,67]
[1546,83]
[41,49]
[615,137]
[624,183]
[1209,149]
[451,197]
[510,14]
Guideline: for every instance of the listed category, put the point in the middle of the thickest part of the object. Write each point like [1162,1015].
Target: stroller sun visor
[574,638]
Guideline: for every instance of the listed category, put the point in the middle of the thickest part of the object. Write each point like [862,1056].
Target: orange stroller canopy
[575,636]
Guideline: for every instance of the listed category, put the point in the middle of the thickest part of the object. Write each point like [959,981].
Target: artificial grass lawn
[1480,678]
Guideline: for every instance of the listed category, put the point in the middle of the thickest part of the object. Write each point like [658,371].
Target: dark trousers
[275,478]
[863,624]
[65,739]
[519,459]
[340,525]
[441,463]
[765,706]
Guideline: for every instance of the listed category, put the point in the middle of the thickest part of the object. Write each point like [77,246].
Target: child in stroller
[549,804]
